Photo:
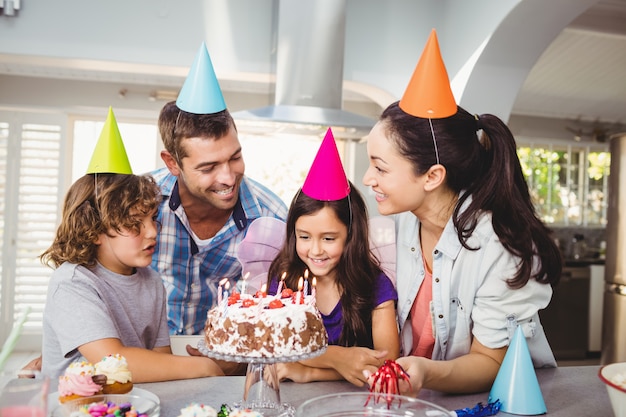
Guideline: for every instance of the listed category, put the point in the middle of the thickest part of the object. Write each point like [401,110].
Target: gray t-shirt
[84,305]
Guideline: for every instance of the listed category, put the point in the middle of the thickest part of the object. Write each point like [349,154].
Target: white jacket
[470,294]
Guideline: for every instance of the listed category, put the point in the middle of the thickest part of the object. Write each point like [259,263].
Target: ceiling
[581,76]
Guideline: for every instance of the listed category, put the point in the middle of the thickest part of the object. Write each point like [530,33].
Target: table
[567,391]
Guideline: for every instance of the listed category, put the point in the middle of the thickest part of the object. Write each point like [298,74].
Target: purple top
[333,322]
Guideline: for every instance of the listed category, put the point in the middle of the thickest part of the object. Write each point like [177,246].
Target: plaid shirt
[191,274]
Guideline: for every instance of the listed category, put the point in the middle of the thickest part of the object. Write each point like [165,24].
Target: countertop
[567,391]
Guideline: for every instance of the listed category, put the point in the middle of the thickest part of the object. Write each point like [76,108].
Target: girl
[103,298]
[329,238]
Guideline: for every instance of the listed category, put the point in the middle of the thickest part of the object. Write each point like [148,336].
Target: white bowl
[611,375]
[178,343]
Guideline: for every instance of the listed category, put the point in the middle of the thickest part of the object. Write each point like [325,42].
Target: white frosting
[197,410]
[115,368]
[80,368]
[259,331]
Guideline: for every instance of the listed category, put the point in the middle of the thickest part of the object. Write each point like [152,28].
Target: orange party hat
[428,94]
[109,155]
[326,180]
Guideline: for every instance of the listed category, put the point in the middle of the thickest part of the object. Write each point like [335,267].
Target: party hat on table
[326,180]
[428,94]
[109,156]
[201,93]
[516,385]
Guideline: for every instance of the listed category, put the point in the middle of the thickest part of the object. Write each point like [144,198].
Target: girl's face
[123,252]
[391,176]
[320,241]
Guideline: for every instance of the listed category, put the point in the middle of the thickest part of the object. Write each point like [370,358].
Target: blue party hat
[201,93]
[516,385]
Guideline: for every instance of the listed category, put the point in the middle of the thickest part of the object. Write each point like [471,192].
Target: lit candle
[243,283]
[225,296]
[306,281]
[313,285]
[299,294]
[280,284]
[220,295]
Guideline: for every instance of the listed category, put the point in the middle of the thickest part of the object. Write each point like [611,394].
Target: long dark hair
[488,170]
[356,272]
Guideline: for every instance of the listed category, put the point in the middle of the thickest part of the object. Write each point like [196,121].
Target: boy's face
[212,170]
[123,252]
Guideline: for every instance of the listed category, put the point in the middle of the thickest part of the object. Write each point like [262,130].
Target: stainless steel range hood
[309,69]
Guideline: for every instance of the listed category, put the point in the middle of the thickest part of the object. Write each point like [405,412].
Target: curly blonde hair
[96,204]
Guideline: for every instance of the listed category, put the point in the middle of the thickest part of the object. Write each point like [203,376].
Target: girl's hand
[294,371]
[351,362]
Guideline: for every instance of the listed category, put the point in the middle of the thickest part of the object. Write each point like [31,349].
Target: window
[33,180]
[569,184]
[30,177]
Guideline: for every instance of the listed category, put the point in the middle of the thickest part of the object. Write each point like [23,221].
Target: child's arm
[348,362]
[298,372]
[385,330]
[151,366]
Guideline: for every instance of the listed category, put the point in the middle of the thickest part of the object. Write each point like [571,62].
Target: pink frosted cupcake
[79,380]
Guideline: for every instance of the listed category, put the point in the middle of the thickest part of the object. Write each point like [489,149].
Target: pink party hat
[326,180]
[201,93]
[516,384]
[428,94]
[109,156]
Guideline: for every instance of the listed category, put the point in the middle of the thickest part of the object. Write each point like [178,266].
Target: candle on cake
[243,282]
[280,284]
[220,294]
[299,293]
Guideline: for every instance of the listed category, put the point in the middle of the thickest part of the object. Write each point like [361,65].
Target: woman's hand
[414,367]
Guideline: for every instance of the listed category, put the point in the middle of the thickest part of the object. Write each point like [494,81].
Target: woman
[474,261]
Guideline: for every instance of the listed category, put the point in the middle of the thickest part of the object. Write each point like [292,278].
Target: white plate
[53,399]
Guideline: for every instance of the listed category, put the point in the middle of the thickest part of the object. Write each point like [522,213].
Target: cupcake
[79,380]
[119,378]
[197,410]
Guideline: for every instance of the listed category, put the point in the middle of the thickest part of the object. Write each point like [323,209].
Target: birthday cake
[265,327]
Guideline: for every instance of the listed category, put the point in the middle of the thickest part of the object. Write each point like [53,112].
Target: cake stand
[262,387]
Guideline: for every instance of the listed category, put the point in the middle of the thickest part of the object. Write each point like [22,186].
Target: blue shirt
[191,274]
[384,290]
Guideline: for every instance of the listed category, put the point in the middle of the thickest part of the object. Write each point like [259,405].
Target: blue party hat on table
[201,93]
[516,385]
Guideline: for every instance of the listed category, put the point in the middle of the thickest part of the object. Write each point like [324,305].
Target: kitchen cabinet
[566,319]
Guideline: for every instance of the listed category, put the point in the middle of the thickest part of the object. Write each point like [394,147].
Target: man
[208,202]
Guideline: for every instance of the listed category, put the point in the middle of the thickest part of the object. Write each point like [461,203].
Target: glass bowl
[353,404]
[143,404]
